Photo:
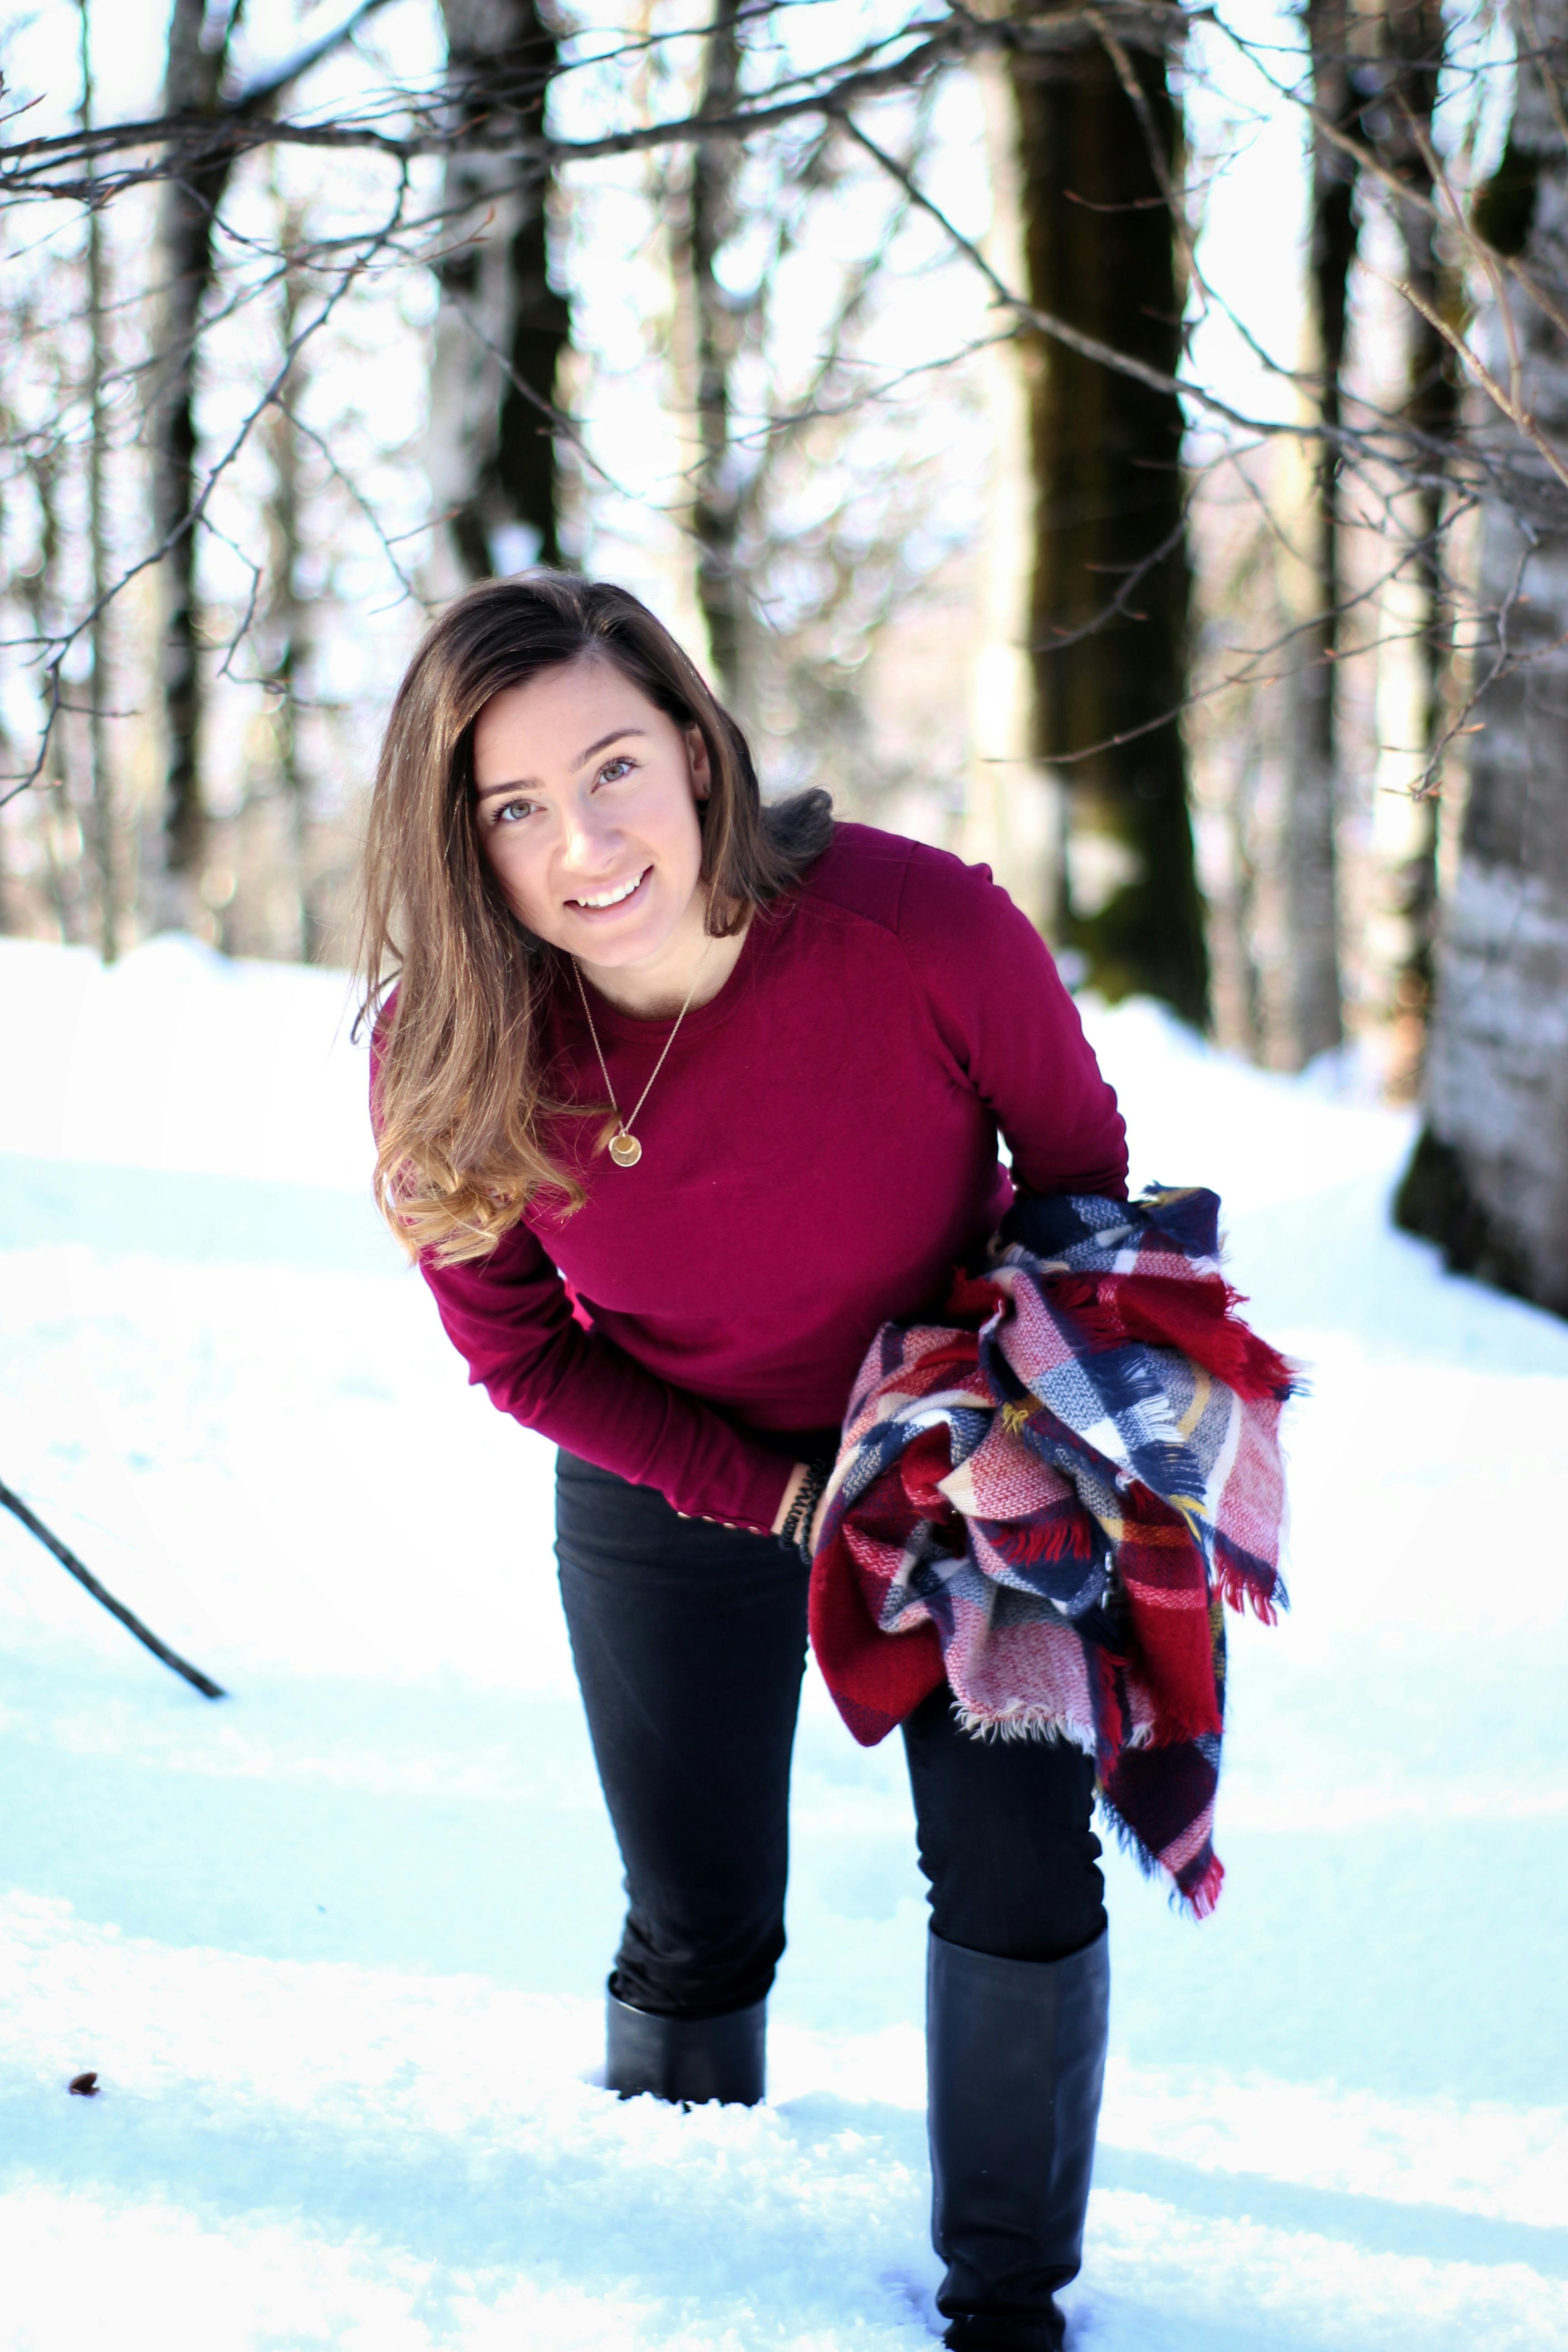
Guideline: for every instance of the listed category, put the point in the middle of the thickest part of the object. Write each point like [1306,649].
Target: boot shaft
[687,2060]
[1015,2058]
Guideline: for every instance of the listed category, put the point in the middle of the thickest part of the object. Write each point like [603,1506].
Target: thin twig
[1372,164]
[128,1618]
[1511,403]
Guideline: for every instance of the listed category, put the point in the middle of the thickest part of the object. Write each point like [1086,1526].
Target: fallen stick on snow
[144,1633]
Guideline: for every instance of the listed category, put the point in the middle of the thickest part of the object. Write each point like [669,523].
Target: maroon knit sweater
[818,1150]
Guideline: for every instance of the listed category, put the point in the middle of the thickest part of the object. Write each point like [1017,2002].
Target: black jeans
[689,1645]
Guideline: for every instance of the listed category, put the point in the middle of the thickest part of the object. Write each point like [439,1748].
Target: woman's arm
[511,1320]
[1010,1028]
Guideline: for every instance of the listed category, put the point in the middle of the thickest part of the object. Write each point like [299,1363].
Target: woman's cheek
[510,870]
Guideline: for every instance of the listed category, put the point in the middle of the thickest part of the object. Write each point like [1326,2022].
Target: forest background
[1125,442]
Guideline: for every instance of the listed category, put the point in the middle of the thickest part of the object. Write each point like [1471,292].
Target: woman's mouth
[602,902]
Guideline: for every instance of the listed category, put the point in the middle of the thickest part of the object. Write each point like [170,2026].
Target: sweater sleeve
[510,1318]
[1010,1028]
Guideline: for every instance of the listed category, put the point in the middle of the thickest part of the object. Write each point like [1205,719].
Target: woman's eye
[613,770]
[512,812]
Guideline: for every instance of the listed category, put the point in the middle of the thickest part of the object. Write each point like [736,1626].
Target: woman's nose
[589,844]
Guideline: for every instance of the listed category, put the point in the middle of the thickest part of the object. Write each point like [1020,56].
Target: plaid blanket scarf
[1046,1498]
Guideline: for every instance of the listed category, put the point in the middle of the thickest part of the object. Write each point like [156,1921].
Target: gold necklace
[625,1149]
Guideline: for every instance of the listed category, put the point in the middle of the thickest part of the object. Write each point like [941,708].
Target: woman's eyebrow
[603,742]
[524,784]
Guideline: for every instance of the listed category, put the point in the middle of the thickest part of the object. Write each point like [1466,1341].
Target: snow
[335,1945]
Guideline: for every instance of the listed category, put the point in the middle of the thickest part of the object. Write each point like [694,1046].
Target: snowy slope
[335,1945]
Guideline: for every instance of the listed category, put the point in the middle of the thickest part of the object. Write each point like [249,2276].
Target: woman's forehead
[560,718]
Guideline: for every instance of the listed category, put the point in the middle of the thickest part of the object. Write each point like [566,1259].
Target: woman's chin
[643,934]
[612,944]
[640,931]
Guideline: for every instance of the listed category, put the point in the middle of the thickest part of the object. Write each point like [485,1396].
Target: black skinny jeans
[689,1645]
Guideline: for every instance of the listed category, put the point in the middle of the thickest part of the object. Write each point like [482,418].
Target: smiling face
[585,797]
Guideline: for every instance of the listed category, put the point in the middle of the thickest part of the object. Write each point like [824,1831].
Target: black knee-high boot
[688,2059]
[1016,2058]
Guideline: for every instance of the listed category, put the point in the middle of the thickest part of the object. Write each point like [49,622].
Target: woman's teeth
[614,898]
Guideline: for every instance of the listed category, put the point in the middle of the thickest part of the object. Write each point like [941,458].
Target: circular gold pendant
[625,1149]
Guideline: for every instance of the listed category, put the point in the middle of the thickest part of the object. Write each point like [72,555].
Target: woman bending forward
[678,1098]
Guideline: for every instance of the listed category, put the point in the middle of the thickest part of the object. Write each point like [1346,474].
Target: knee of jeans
[1016,1896]
[1024,1915]
[689,1975]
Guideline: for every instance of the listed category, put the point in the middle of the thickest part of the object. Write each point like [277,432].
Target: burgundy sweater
[818,1150]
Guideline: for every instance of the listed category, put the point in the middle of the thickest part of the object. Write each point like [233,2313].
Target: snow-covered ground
[335,1945]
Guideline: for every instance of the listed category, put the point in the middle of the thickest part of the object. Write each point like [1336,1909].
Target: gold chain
[629,1150]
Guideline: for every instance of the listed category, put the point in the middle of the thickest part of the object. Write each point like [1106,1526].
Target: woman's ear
[701,770]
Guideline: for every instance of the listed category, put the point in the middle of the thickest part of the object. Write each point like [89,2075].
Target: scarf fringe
[1033,1543]
[1030,1723]
[1241,1588]
[1200,1900]
[1197,1317]
[1197,1901]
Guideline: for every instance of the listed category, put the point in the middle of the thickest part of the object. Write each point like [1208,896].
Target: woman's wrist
[801,1512]
[786,1505]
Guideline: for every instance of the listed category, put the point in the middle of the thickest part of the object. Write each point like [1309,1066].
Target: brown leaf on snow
[85,2086]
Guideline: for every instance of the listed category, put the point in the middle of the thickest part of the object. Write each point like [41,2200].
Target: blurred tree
[1488,1179]
[103,816]
[192,188]
[1413,53]
[1235,738]
[43,594]
[290,610]
[501,325]
[188,200]
[717,325]
[1314,987]
[1109,620]
[807,531]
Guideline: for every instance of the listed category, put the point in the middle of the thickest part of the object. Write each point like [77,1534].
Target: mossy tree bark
[1109,602]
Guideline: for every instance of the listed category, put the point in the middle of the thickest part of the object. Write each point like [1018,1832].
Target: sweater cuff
[747,1493]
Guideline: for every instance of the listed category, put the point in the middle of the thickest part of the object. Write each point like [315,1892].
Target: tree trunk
[716,324]
[1489,1176]
[501,327]
[188,209]
[289,614]
[1109,608]
[1414,38]
[1313,1018]
[58,825]
[104,817]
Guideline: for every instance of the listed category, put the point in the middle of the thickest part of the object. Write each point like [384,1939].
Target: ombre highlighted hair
[452,983]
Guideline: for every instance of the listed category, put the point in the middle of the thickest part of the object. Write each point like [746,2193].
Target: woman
[679,1098]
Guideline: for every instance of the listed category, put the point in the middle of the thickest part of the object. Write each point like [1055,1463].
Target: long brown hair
[462,1111]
